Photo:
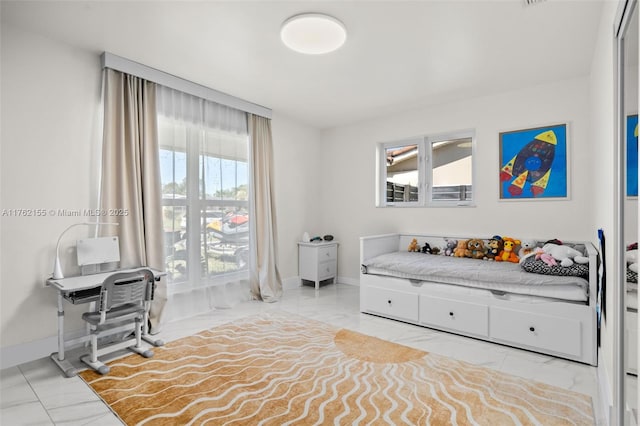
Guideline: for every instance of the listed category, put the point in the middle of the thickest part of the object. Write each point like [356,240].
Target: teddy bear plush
[475,249]
[494,247]
[413,246]
[508,251]
[564,254]
[527,247]
[451,246]
[460,249]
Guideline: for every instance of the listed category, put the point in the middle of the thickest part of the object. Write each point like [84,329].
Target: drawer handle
[450,314]
[532,329]
[389,301]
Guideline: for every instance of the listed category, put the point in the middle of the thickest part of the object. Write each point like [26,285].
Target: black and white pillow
[530,264]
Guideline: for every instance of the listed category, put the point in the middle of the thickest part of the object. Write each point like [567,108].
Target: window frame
[195,205]
[381,197]
[425,170]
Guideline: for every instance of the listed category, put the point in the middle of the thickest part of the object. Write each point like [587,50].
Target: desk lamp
[57,269]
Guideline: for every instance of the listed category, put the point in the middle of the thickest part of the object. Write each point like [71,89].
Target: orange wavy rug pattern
[278,369]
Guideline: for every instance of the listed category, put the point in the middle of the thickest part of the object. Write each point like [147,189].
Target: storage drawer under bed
[539,332]
[456,315]
[391,303]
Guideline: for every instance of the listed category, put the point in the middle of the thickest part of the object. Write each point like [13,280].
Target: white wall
[51,139]
[298,178]
[351,213]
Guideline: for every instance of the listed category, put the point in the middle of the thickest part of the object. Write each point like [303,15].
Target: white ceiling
[399,55]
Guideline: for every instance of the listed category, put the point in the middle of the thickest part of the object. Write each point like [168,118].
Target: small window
[451,170]
[426,171]
[402,173]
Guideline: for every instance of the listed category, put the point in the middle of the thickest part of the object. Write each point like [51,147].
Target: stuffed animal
[451,246]
[564,254]
[426,248]
[475,249]
[526,247]
[460,249]
[435,250]
[545,257]
[413,246]
[508,251]
[494,247]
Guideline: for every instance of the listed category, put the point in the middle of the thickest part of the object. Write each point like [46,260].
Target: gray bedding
[491,275]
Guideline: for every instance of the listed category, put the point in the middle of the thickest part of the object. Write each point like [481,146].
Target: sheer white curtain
[204,164]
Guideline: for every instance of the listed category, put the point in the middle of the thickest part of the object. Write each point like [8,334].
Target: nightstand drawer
[454,315]
[327,253]
[326,269]
[392,303]
[547,333]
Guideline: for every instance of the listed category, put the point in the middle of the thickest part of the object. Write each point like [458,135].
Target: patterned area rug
[277,369]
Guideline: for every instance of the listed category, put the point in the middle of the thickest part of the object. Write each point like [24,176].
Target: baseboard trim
[604,390]
[295,282]
[10,356]
[349,281]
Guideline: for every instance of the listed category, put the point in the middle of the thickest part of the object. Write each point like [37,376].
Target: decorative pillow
[632,277]
[530,264]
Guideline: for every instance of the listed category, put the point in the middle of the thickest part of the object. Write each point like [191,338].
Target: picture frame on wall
[533,163]
[631,130]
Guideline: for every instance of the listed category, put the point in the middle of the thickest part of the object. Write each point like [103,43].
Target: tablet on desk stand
[98,254]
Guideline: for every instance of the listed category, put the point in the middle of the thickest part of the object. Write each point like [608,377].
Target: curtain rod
[119,63]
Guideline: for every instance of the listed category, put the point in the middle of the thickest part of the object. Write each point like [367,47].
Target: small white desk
[79,290]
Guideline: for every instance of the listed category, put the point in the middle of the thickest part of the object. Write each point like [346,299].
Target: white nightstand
[318,261]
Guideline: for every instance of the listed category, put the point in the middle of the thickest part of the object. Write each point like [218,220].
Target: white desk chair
[124,297]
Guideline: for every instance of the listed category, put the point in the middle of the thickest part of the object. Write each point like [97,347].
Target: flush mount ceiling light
[313,33]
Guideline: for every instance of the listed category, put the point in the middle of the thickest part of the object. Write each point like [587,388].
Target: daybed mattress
[498,277]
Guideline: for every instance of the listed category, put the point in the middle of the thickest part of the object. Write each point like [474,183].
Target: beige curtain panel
[264,276]
[131,175]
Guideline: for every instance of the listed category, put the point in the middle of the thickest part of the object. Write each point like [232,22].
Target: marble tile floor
[36,393]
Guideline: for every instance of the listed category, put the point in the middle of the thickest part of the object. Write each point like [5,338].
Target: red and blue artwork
[632,155]
[533,163]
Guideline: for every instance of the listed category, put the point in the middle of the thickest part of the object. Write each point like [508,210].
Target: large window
[426,171]
[205,175]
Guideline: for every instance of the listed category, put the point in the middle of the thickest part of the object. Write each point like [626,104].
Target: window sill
[429,205]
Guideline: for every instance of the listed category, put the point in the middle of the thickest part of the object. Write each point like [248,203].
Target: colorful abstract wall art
[533,163]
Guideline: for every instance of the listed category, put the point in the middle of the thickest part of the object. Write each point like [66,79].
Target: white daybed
[526,311]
